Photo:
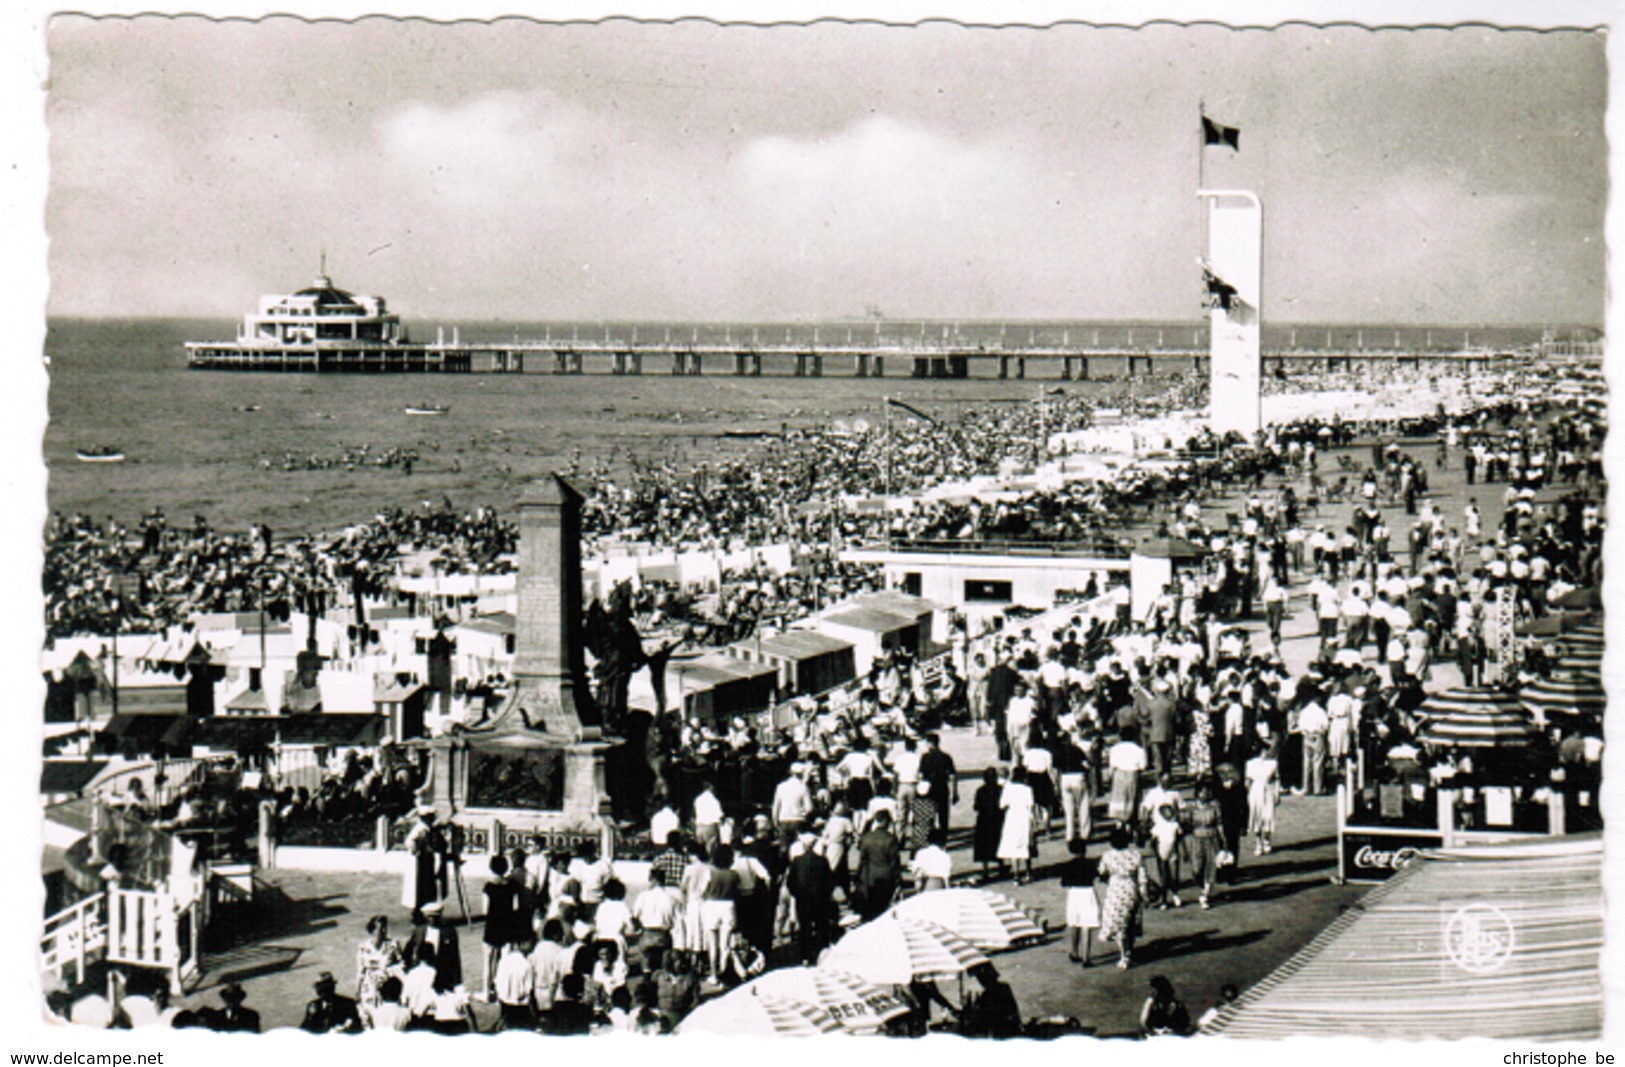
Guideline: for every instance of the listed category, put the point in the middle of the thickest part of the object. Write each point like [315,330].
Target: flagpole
[1201,177]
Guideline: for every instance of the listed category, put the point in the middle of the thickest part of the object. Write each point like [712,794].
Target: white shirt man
[792,802]
[662,824]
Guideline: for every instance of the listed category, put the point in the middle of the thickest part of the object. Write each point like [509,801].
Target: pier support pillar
[922,367]
[1004,367]
[878,365]
[1021,367]
[959,366]
[816,365]
[860,365]
[636,359]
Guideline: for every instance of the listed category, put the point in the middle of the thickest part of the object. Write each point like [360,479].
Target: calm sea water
[193,450]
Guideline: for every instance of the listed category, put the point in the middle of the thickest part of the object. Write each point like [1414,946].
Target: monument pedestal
[537,767]
[504,794]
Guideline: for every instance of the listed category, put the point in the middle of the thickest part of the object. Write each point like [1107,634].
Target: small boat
[427,409]
[100,454]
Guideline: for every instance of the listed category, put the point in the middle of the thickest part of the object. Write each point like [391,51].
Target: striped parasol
[895,951]
[856,1003]
[1477,717]
[1582,658]
[987,920]
[748,1013]
[1577,694]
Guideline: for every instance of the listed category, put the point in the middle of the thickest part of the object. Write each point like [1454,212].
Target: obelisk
[550,674]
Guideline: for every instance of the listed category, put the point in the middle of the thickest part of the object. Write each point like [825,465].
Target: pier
[800,359]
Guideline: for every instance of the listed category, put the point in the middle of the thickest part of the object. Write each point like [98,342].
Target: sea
[214,443]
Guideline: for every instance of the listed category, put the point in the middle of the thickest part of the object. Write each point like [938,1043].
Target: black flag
[1213,133]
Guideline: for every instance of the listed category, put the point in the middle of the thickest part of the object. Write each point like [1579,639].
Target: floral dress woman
[376,958]
[1125,877]
[1200,757]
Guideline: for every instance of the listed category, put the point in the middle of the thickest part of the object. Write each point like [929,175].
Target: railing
[136,927]
[161,782]
[76,935]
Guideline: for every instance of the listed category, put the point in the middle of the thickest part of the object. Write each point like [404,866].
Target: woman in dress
[1121,866]
[377,958]
[1126,760]
[1200,756]
[1263,791]
[1082,905]
[989,824]
[1016,836]
[1205,841]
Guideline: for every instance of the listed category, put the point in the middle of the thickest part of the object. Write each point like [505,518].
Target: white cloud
[480,152]
[878,171]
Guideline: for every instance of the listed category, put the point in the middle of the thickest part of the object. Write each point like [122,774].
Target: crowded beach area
[1292,667]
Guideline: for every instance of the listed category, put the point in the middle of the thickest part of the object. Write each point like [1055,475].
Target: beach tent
[806,662]
[1493,941]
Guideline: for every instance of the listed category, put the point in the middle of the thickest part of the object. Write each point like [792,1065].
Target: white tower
[1235,278]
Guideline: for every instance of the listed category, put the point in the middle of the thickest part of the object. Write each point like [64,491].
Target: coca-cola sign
[1367,858]
[1374,857]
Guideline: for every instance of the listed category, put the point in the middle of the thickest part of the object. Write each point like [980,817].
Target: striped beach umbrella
[749,1013]
[858,1004]
[1587,634]
[1585,659]
[1576,694]
[892,950]
[990,921]
[1475,716]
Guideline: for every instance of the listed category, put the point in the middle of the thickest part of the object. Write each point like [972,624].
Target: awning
[1495,941]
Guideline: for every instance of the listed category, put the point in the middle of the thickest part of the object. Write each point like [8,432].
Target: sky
[696,172]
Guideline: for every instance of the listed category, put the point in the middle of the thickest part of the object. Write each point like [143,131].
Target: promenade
[309,922]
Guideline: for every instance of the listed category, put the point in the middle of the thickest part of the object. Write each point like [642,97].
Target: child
[1165,855]
[1082,906]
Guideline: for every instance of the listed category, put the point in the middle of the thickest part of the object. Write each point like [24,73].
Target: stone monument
[537,765]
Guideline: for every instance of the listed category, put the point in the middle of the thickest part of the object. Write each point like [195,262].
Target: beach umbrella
[856,1003]
[1588,664]
[892,950]
[748,1013]
[1580,657]
[1576,694]
[987,920]
[1475,716]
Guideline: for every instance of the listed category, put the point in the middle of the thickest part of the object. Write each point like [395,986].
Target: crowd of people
[351,458]
[1169,742]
